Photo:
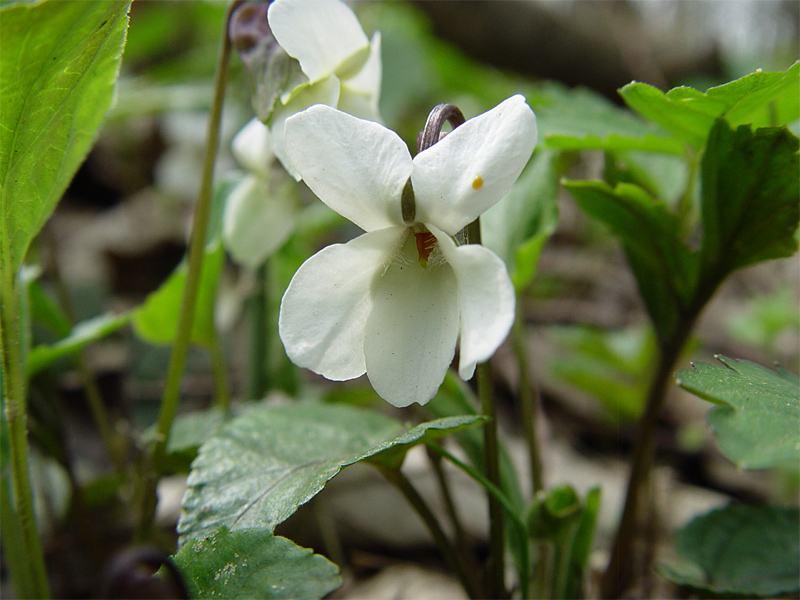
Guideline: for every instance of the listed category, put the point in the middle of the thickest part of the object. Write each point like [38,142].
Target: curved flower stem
[169,401]
[401,482]
[30,578]
[440,115]
[529,401]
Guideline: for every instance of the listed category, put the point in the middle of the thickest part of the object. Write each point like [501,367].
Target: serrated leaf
[263,465]
[750,191]
[517,227]
[254,564]
[739,549]
[758,421]
[82,334]
[58,67]
[665,268]
[156,320]
[760,98]
[583,120]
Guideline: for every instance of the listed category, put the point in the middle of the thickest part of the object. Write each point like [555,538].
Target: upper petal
[474,166]
[252,149]
[325,308]
[486,300]
[361,92]
[412,329]
[356,167]
[325,91]
[321,34]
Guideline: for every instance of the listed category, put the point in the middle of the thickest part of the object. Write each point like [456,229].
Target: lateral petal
[412,329]
[360,93]
[473,167]
[486,300]
[257,220]
[324,310]
[356,167]
[321,34]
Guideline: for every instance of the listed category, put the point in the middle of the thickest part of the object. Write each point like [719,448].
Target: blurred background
[121,229]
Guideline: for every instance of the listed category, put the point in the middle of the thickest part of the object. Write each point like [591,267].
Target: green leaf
[758,421]
[664,267]
[254,564]
[750,192]
[761,99]
[59,63]
[612,366]
[156,321]
[739,549]
[264,464]
[517,227]
[583,120]
[82,334]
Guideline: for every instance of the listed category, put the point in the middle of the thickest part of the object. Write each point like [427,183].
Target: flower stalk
[177,362]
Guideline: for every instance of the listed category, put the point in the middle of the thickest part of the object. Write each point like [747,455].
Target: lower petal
[325,308]
[486,300]
[412,330]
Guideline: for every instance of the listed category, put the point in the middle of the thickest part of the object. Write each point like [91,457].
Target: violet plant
[451,242]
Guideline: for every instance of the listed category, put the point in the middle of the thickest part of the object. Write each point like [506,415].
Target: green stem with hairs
[30,577]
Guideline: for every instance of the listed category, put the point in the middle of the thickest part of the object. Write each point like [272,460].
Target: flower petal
[356,167]
[485,298]
[412,329]
[252,149]
[257,220]
[321,34]
[325,308]
[321,92]
[473,167]
[360,93]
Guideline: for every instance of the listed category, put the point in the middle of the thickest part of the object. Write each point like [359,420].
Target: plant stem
[31,575]
[491,456]
[466,549]
[223,391]
[401,482]
[257,335]
[529,401]
[169,401]
[617,576]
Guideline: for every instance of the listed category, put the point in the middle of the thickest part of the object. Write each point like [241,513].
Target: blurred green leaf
[750,190]
[82,334]
[758,421]
[740,550]
[58,67]
[583,120]
[517,227]
[254,564]
[760,98]
[611,366]
[156,320]
[664,267]
[263,465]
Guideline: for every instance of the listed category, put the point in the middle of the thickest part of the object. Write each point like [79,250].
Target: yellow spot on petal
[477,183]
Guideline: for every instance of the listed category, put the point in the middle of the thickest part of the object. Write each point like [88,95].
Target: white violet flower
[341,65]
[394,301]
[261,212]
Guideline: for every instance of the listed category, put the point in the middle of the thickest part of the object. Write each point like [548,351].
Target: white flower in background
[394,301]
[260,212]
[340,65]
